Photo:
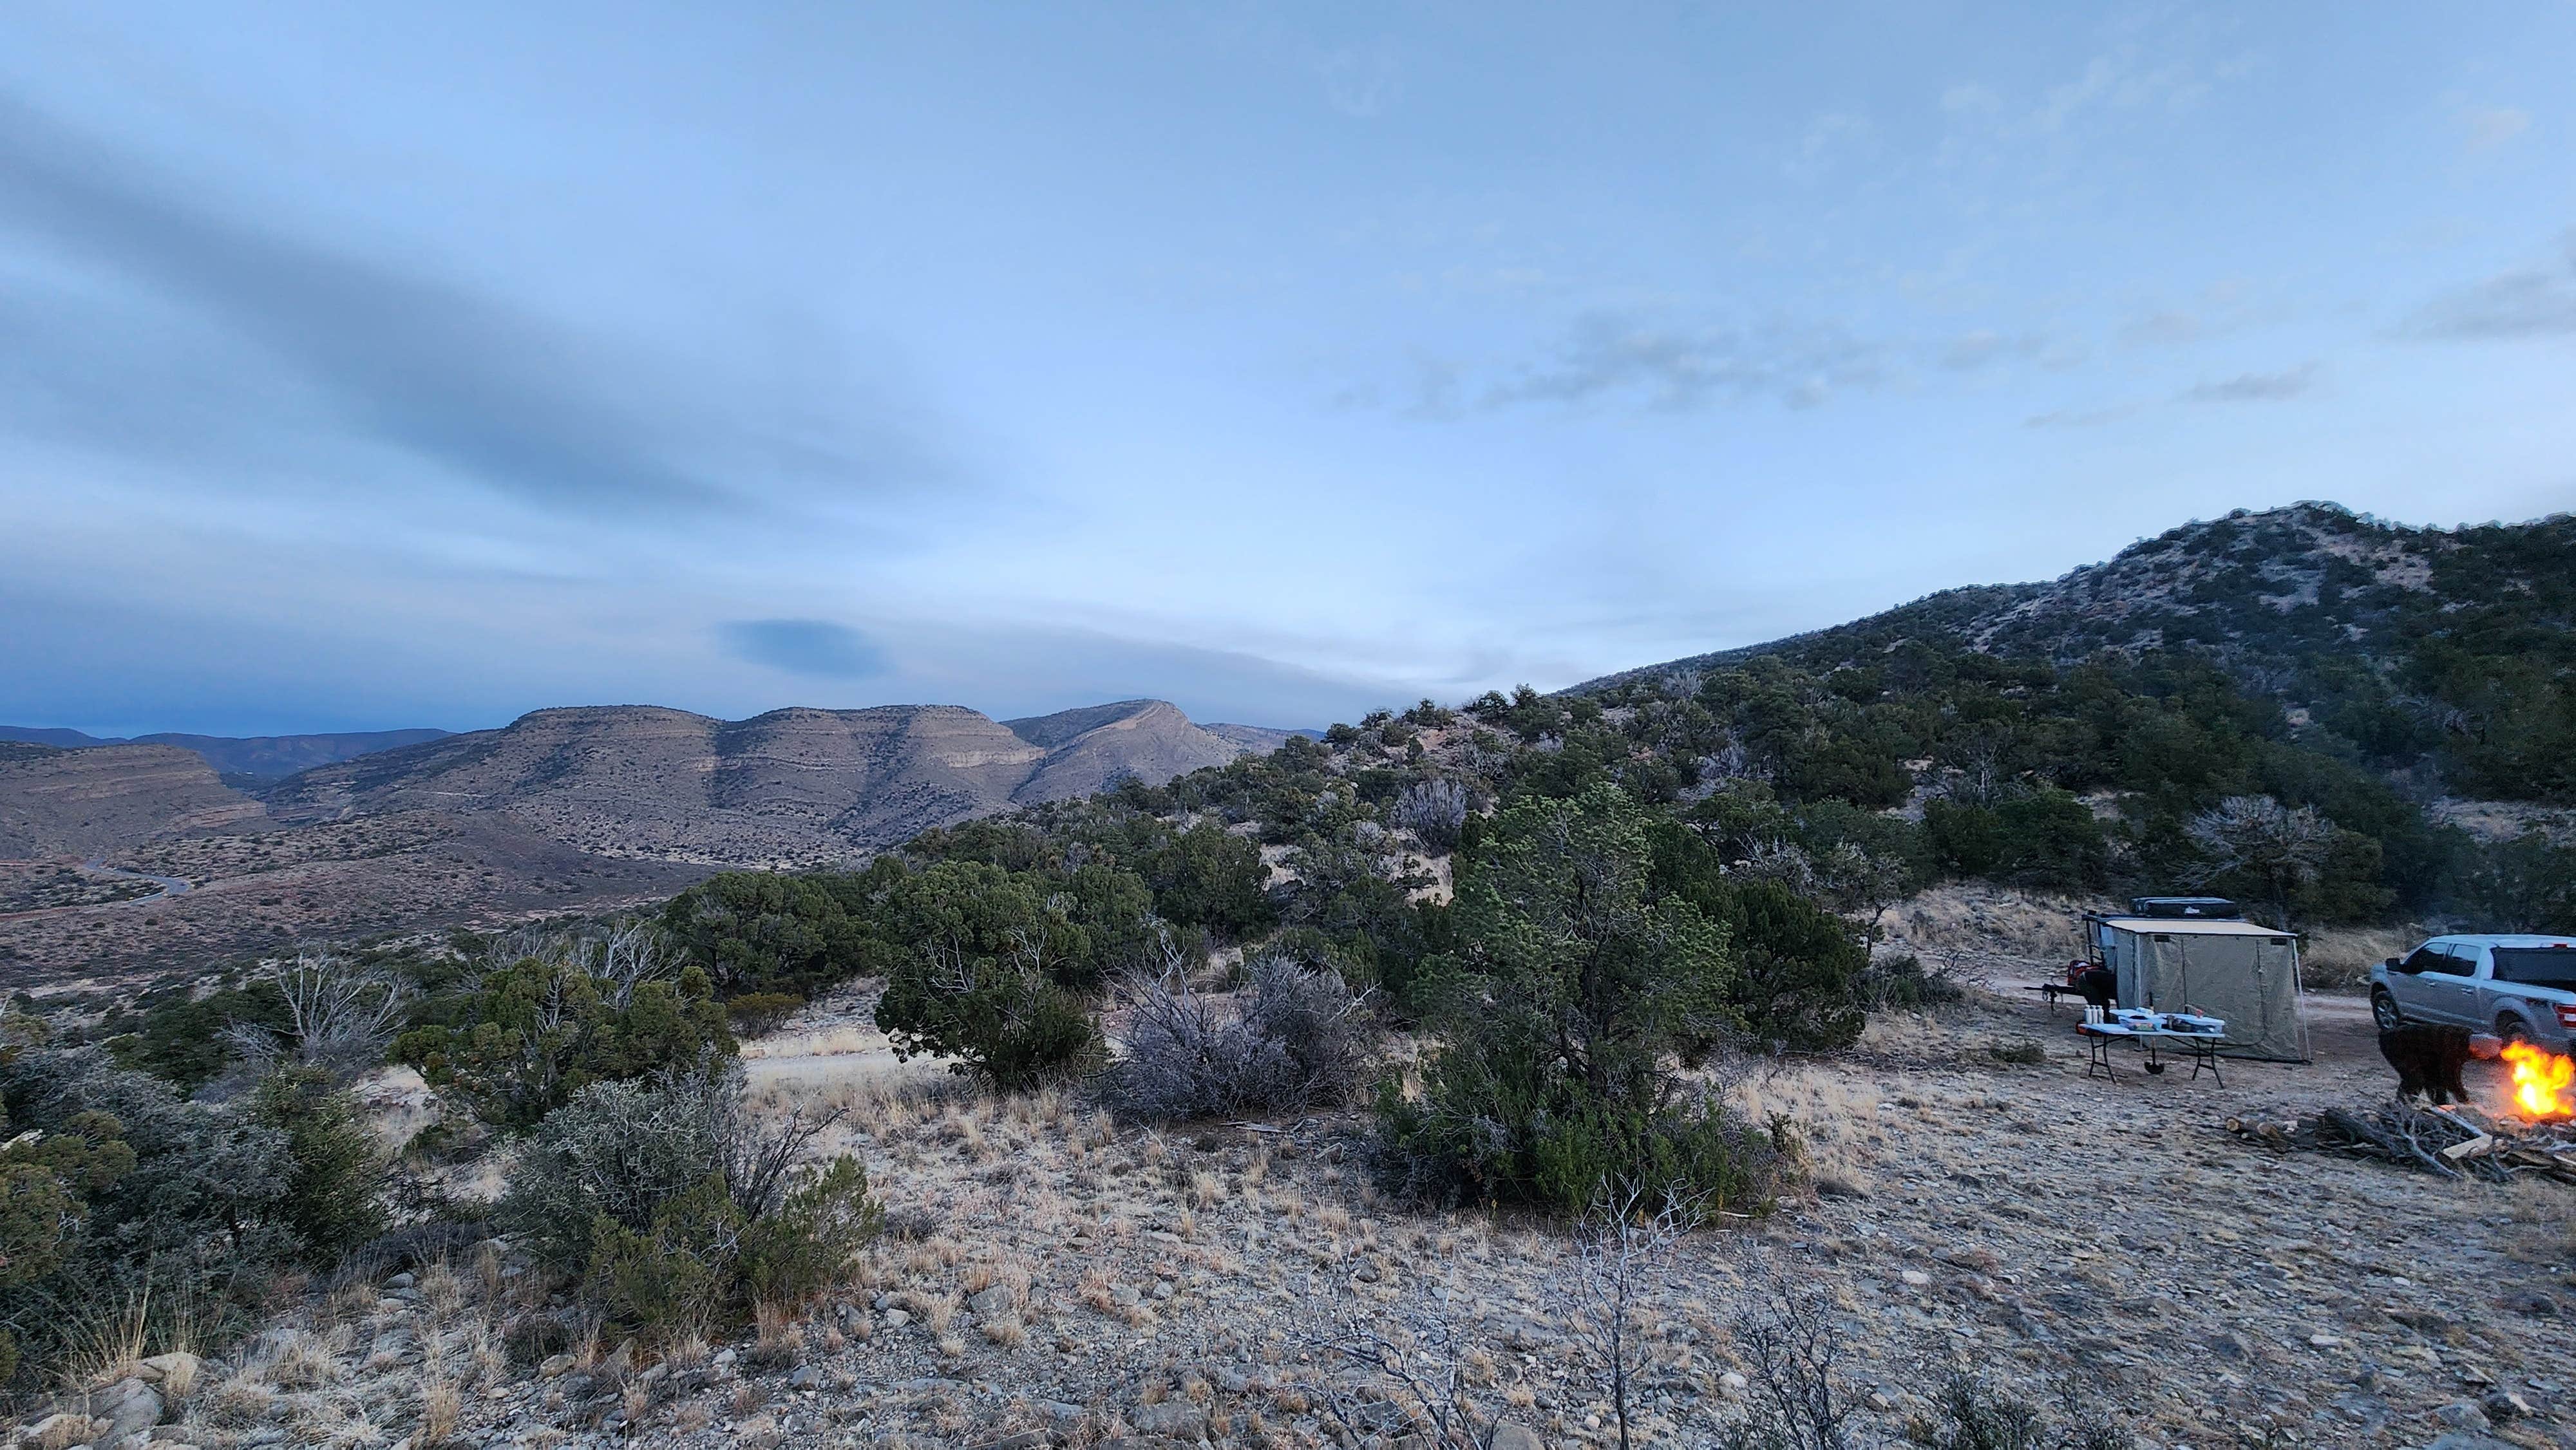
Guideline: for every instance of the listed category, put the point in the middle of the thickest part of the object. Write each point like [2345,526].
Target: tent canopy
[2242,971]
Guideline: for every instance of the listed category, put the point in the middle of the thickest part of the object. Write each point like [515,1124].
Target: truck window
[2536,966]
[2426,959]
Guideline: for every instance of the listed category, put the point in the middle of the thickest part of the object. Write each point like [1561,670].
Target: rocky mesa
[793,786]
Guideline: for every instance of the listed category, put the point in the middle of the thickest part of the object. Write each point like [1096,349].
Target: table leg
[2101,1062]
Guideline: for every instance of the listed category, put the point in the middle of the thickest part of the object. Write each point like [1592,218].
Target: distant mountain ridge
[791,786]
[2414,645]
[88,802]
[2283,584]
[250,758]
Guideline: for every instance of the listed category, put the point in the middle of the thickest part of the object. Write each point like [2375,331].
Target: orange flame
[2540,1081]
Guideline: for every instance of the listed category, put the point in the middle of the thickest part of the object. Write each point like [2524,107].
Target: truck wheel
[2383,1009]
[2511,1029]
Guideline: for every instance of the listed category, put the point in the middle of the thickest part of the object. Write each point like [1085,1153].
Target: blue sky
[365,367]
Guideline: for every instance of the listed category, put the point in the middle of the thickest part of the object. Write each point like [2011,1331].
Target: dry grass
[2342,956]
[826,1042]
[440,1404]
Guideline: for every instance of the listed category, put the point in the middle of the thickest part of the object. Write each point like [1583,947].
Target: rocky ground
[259,891]
[1051,1276]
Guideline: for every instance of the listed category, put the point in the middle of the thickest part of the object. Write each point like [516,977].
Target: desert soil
[1048,1273]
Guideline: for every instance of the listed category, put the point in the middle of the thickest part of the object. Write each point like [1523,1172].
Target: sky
[367,366]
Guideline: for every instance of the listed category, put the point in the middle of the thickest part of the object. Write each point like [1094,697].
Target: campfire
[2532,1131]
[2540,1082]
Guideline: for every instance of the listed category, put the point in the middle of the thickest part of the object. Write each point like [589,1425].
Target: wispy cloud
[2275,387]
[1666,365]
[2081,417]
[814,647]
[1971,351]
[394,356]
[2484,128]
[2525,302]
[1362,81]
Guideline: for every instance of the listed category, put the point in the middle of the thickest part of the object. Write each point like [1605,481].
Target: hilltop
[247,761]
[586,808]
[56,802]
[791,786]
[2407,647]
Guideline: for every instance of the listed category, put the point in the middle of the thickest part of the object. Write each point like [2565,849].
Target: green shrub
[184,1040]
[1567,1012]
[118,1197]
[335,1171]
[1900,981]
[1799,980]
[679,1209]
[771,932]
[756,1014]
[984,981]
[537,1032]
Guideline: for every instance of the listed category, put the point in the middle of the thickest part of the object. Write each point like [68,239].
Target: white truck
[2521,988]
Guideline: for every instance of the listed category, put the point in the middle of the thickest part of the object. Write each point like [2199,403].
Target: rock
[2505,1405]
[1975,1260]
[897,1318]
[1163,1288]
[178,1367]
[2322,1340]
[993,1303]
[1177,1418]
[804,1377]
[1124,1296]
[1879,1402]
[1233,1381]
[555,1366]
[1915,1278]
[401,1281]
[2472,1375]
[726,1356]
[1733,1383]
[1016,1440]
[1510,1436]
[64,1429]
[2457,1441]
[131,1408]
[1060,1413]
[2463,1415]
[2539,1306]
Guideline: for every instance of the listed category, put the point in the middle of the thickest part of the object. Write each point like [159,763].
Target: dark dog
[2428,1058]
[2098,986]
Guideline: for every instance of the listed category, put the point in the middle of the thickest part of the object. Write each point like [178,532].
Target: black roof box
[2217,908]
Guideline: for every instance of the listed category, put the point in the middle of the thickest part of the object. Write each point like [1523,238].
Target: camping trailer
[2227,967]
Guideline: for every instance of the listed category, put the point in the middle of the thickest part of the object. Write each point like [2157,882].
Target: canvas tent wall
[2242,971]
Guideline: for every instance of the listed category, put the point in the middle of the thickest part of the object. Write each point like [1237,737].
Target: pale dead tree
[633,953]
[1980,775]
[1607,1287]
[1861,882]
[1730,761]
[339,1017]
[2283,847]
[952,970]
[519,944]
[1780,862]
[1789,1335]
[1417,1352]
